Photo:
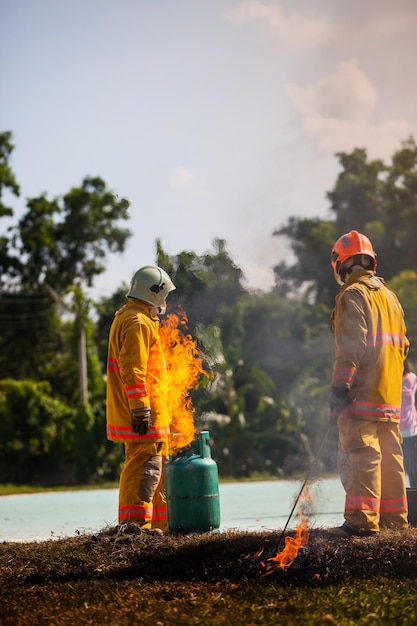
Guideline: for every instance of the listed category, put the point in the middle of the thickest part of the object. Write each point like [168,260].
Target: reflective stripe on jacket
[370,347]
[136,373]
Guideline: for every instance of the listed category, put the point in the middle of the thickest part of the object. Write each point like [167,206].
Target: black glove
[339,399]
[141,420]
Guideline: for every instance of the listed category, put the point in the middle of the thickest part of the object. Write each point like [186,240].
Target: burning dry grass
[212,557]
[213,579]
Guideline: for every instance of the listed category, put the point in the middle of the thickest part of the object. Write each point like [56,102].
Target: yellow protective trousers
[370,462]
[142,499]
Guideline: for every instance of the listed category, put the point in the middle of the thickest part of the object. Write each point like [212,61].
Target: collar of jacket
[366,277]
[143,307]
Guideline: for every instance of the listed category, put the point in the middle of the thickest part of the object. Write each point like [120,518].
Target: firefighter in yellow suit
[365,399]
[136,409]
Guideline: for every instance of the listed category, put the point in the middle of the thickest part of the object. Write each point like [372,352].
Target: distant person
[365,399]
[137,412]
[408,424]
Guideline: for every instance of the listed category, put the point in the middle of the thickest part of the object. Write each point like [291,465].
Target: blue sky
[215,118]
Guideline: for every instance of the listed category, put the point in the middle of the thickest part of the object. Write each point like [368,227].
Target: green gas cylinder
[192,488]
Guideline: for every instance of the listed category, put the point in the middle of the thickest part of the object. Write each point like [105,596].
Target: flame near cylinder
[184,369]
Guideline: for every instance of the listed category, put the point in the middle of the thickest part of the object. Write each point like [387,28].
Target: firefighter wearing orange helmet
[136,409]
[365,400]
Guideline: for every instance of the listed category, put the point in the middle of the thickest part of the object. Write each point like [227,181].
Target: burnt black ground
[212,557]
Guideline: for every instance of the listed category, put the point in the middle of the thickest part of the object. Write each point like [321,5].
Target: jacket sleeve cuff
[139,403]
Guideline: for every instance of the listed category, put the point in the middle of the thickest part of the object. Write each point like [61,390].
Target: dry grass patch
[208,579]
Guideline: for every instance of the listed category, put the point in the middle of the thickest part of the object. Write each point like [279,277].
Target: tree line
[269,354]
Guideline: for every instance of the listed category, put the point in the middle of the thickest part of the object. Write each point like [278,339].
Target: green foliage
[62,241]
[250,407]
[357,194]
[58,246]
[405,286]
[396,246]
[258,347]
[311,242]
[7,183]
[36,431]
[95,459]
[7,178]
[106,309]
[44,441]
[205,285]
[379,200]
[36,342]
[31,338]
[269,355]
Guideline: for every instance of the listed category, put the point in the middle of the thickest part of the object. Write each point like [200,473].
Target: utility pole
[82,343]
[82,361]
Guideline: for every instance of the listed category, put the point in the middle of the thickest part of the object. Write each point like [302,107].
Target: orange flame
[286,557]
[184,369]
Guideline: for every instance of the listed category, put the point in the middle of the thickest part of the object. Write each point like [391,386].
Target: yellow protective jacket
[136,373]
[370,347]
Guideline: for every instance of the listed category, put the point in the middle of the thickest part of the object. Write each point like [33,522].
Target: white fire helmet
[152,285]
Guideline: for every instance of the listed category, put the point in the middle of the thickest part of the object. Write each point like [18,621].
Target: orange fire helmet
[347,246]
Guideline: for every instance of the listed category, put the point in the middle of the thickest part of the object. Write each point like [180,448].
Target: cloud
[185,179]
[307,27]
[401,20]
[346,95]
[298,29]
[340,111]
